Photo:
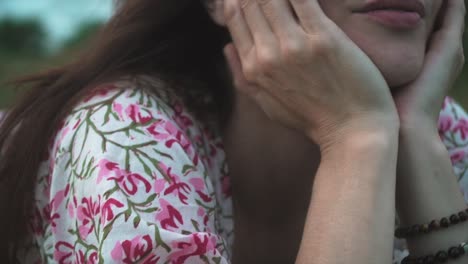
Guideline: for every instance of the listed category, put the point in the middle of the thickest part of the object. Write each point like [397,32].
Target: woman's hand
[305,73]
[420,101]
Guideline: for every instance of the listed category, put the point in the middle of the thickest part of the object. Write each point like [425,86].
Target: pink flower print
[206,198]
[168,215]
[77,124]
[159,185]
[457,156]
[106,168]
[199,185]
[50,217]
[126,180]
[164,130]
[445,124]
[81,257]
[201,211]
[137,115]
[180,118]
[63,251]
[226,186]
[108,211]
[118,108]
[447,100]
[86,213]
[158,135]
[59,196]
[137,250]
[181,189]
[72,205]
[183,141]
[462,127]
[197,245]
[129,182]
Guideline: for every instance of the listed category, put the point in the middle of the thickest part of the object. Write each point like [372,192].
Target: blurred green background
[27,45]
[36,35]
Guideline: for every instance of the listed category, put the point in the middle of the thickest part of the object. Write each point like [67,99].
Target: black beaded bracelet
[444,222]
[441,256]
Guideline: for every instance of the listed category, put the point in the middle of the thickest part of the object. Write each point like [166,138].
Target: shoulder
[127,110]
[130,170]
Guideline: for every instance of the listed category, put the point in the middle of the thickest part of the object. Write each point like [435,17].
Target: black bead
[434,225]
[462,215]
[408,260]
[464,248]
[424,228]
[442,256]
[454,219]
[430,259]
[454,252]
[444,222]
[414,229]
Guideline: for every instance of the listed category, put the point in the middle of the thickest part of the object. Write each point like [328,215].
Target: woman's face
[399,54]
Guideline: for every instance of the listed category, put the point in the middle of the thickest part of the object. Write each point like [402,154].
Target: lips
[415,6]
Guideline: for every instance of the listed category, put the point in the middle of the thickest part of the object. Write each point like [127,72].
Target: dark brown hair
[173,40]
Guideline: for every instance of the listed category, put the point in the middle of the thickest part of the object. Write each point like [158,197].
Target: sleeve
[127,186]
[453,131]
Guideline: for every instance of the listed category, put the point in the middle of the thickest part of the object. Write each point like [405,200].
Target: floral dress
[133,177]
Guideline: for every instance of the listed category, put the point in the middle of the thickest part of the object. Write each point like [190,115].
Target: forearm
[427,189]
[351,215]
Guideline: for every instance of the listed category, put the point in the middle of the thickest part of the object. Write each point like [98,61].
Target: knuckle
[321,46]
[267,60]
[250,71]
[245,3]
[230,11]
[292,49]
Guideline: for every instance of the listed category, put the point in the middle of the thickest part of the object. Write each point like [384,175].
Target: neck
[260,151]
[272,170]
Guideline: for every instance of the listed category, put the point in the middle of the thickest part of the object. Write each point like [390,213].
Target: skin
[400,56]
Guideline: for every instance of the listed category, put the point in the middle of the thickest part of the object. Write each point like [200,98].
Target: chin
[398,62]
[398,55]
[399,70]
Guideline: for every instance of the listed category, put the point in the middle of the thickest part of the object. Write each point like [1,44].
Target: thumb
[235,66]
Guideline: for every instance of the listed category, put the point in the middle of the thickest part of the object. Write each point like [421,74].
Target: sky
[59,17]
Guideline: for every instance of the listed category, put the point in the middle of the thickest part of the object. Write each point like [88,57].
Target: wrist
[375,138]
[417,126]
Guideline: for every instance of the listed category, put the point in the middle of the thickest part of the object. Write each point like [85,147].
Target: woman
[334,120]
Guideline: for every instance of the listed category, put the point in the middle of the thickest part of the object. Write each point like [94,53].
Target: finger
[261,31]
[238,28]
[309,13]
[453,21]
[445,46]
[234,63]
[280,16]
